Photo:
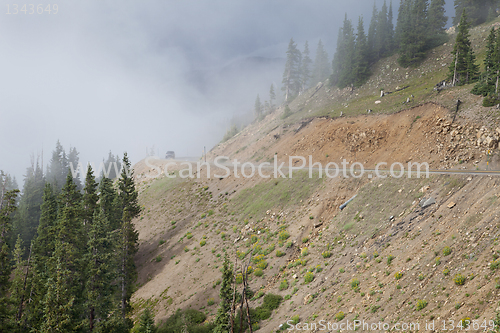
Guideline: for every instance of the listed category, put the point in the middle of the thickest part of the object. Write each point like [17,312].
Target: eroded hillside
[386,257]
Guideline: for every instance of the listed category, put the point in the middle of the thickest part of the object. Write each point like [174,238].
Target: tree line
[73,269]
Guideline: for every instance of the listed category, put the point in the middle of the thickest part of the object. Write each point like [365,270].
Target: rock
[426,203]
[451,205]
[351,310]
[307,298]
[378,102]
[294,276]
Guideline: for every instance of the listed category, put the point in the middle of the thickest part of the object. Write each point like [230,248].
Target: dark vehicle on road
[170,155]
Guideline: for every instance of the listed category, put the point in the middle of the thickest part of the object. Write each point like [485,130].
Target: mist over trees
[72,250]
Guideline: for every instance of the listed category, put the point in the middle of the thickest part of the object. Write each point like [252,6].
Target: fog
[130,75]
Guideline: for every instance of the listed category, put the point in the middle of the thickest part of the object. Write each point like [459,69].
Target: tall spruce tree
[7,208]
[390,31]
[478,11]
[19,290]
[361,56]
[226,298]
[128,246]
[58,167]
[372,35]
[291,75]
[463,69]
[258,107]
[343,61]
[305,70]
[436,23]
[27,217]
[74,160]
[64,301]
[412,32]
[272,97]
[382,35]
[43,250]
[321,69]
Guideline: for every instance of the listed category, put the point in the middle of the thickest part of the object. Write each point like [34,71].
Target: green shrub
[339,316]
[326,254]
[262,264]
[398,275]
[390,258]
[283,235]
[459,279]
[341,270]
[295,319]
[421,303]
[464,323]
[495,264]
[491,100]
[354,283]
[283,285]
[304,252]
[203,242]
[261,313]
[210,302]
[446,251]
[158,258]
[258,272]
[446,271]
[309,277]
[272,301]
[421,276]
[305,239]
[279,253]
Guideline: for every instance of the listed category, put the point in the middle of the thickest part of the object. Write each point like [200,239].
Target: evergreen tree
[7,208]
[490,60]
[390,31]
[128,235]
[372,35]
[258,107]
[226,298]
[436,23]
[89,197]
[343,61]
[101,269]
[382,42]
[74,160]
[291,75]
[110,167]
[361,56]
[64,303]
[43,250]
[108,203]
[272,97]
[321,66]
[478,11]
[463,69]
[58,167]
[147,322]
[27,217]
[412,34]
[19,288]
[305,71]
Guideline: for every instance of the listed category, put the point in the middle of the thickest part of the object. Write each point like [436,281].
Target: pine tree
[372,35]
[361,56]
[305,71]
[390,31]
[7,208]
[321,66]
[382,42]
[478,11]
[490,60]
[43,250]
[343,61]
[258,107]
[436,23]
[19,291]
[101,270]
[147,322]
[27,217]
[58,167]
[226,298]
[109,203]
[74,160]
[412,33]
[89,197]
[291,75]
[272,97]
[463,69]
[64,303]
[128,235]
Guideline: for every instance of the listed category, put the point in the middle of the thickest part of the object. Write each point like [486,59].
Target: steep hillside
[387,257]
